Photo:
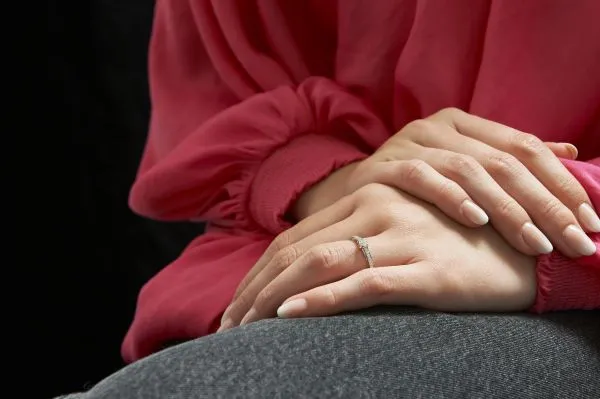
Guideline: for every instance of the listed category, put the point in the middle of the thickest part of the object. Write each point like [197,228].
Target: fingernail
[226,313]
[227,324]
[589,218]
[292,308]
[572,150]
[579,241]
[536,239]
[249,317]
[474,213]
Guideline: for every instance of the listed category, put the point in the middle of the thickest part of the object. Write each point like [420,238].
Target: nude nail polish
[589,218]
[292,308]
[579,241]
[249,317]
[226,313]
[474,213]
[227,324]
[536,239]
[572,150]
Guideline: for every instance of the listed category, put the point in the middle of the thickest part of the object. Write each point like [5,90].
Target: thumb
[563,150]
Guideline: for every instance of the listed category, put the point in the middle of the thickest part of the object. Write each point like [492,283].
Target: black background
[97,253]
[89,253]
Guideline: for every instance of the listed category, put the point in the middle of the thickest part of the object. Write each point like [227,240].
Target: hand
[470,168]
[423,258]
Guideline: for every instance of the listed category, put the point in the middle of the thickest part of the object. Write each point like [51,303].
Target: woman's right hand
[470,168]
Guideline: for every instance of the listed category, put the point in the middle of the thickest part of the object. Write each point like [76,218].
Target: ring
[364,248]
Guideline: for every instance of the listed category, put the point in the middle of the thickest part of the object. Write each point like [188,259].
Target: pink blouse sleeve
[236,132]
[565,283]
[241,125]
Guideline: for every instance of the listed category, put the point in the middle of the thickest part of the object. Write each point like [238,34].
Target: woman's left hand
[421,258]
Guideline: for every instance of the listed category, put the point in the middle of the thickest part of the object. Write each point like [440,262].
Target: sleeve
[240,125]
[565,283]
[186,299]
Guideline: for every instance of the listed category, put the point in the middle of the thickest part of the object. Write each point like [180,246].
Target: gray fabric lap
[377,353]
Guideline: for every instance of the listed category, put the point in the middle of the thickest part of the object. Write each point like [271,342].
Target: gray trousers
[384,352]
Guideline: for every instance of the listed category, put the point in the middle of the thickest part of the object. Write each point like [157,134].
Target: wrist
[323,193]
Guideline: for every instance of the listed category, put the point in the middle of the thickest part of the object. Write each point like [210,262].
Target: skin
[452,157]
[422,258]
[406,200]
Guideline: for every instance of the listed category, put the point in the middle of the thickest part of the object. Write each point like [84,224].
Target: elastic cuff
[565,284]
[292,169]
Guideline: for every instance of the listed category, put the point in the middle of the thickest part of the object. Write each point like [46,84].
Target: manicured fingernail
[579,241]
[474,213]
[249,317]
[227,324]
[536,239]
[589,218]
[226,313]
[572,150]
[292,308]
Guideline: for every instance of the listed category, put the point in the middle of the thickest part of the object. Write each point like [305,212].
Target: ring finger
[321,220]
[324,264]
[288,255]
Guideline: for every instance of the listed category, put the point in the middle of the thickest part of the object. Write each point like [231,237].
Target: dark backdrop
[100,252]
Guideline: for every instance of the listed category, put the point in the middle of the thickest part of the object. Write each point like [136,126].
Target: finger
[563,150]
[553,219]
[537,158]
[320,220]
[411,285]
[324,264]
[418,178]
[506,215]
[284,258]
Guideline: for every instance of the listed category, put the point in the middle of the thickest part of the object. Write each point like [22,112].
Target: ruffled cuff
[292,169]
[245,166]
[565,284]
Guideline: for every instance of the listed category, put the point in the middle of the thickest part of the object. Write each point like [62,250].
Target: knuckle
[323,257]
[391,212]
[284,258]
[554,210]
[449,112]
[450,189]
[330,298]
[568,184]
[507,208]
[419,128]
[413,170]
[388,215]
[282,241]
[528,146]
[264,296]
[462,166]
[373,283]
[243,302]
[383,216]
[503,165]
[370,192]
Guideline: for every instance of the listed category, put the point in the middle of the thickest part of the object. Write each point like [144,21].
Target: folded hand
[476,170]
[421,258]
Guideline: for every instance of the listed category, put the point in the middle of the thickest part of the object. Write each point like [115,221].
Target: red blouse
[255,101]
